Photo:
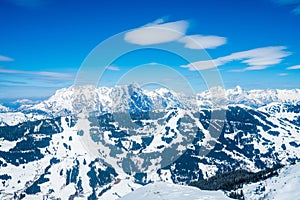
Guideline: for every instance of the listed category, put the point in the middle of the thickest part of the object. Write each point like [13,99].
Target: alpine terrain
[104,143]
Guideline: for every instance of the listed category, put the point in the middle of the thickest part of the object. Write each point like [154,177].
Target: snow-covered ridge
[78,99]
[14,118]
[162,190]
[257,98]
[117,98]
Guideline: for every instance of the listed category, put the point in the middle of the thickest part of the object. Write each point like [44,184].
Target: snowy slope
[59,169]
[284,186]
[162,191]
[282,110]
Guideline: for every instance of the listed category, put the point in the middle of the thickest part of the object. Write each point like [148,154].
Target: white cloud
[293,67]
[265,56]
[256,59]
[5,58]
[201,65]
[256,67]
[202,42]
[157,33]
[157,21]
[113,68]
[38,73]
[30,3]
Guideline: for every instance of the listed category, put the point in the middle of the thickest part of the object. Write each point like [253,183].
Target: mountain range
[49,148]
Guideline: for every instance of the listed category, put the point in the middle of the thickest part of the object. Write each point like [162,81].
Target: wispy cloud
[256,59]
[5,58]
[157,32]
[113,68]
[39,73]
[293,67]
[202,42]
[283,74]
[296,11]
[286,2]
[201,65]
[296,3]
[12,82]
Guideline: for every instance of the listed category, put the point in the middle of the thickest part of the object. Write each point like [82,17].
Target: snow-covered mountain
[114,99]
[23,104]
[255,98]
[74,99]
[44,151]
[3,109]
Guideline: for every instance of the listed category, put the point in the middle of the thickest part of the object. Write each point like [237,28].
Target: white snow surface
[163,191]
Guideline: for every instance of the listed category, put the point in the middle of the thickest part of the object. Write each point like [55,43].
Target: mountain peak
[238,89]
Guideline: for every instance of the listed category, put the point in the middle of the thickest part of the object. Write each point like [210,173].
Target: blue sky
[43,43]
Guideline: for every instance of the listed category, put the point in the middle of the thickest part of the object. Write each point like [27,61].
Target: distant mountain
[43,153]
[22,104]
[3,109]
[116,99]
[256,98]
